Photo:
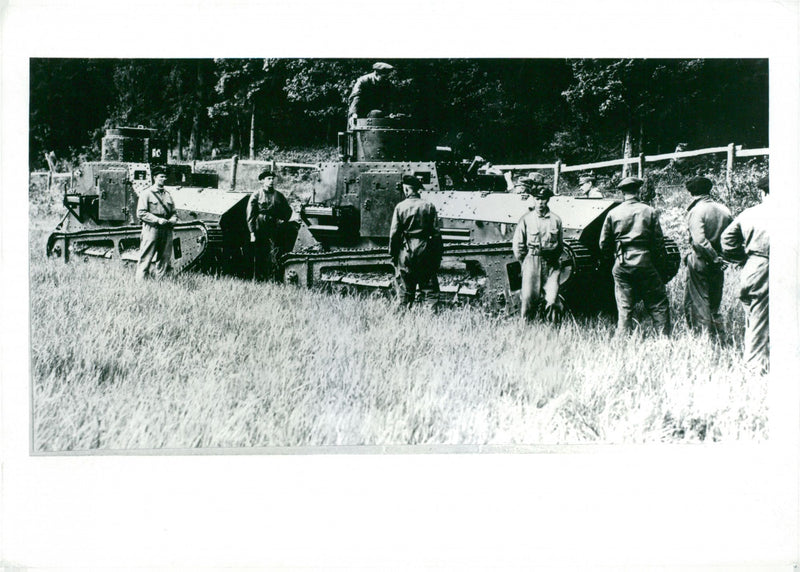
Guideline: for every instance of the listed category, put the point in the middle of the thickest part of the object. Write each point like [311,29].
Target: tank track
[481,272]
[669,265]
[579,256]
[121,244]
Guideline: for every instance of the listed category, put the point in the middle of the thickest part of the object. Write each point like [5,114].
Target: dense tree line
[508,110]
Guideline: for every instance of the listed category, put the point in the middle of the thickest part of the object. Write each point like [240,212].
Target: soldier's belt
[759,254]
[539,251]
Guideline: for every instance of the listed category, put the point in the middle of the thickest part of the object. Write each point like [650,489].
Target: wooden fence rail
[732,151]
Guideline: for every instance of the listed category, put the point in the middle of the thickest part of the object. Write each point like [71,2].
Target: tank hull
[349,232]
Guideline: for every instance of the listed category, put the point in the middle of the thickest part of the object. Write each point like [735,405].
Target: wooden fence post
[729,165]
[556,172]
[640,165]
[234,165]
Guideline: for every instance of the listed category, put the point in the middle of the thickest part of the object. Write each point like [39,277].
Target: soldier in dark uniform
[705,268]
[415,245]
[632,232]
[538,242]
[267,209]
[156,209]
[371,91]
[747,239]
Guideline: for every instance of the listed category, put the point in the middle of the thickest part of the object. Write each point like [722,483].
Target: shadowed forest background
[507,110]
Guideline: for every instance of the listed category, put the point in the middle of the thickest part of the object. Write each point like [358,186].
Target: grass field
[198,361]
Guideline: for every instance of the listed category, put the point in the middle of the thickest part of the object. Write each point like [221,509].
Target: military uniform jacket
[706,221]
[154,207]
[370,93]
[748,233]
[414,232]
[538,234]
[265,209]
[632,230]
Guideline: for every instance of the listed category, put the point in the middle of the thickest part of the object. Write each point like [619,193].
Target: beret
[267,172]
[382,66]
[157,170]
[699,185]
[634,182]
[541,192]
[412,182]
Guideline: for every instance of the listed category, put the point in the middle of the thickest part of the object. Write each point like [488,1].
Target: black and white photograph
[324,252]
[497,300]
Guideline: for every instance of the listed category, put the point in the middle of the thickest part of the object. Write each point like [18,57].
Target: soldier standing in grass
[267,209]
[415,246]
[632,232]
[705,268]
[371,91]
[747,239]
[156,210]
[537,244]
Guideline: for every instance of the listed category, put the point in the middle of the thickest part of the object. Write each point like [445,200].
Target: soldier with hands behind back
[415,246]
[747,239]
[705,268]
[156,209]
[633,234]
[267,209]
[538,243]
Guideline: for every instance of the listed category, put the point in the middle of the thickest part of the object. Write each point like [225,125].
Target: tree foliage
[508,110]
[660,103]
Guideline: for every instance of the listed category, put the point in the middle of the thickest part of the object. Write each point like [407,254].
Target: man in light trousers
[156,210]
[747,239]
[538,243]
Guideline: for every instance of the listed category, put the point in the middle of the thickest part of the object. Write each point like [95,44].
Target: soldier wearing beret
[705,268]
[371,91]
[415,246]
[633,234]
[267,209]
[156,209]
[588,190]
[537,244]
[747,240]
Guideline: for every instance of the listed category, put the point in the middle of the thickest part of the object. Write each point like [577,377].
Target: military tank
[101,197]
[343,240]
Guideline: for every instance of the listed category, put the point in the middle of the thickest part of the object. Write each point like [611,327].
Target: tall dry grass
[197,361]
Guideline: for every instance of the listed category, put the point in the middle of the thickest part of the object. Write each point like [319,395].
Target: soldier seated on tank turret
[372,91]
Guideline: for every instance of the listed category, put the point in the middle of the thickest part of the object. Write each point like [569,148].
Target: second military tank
[343,239]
